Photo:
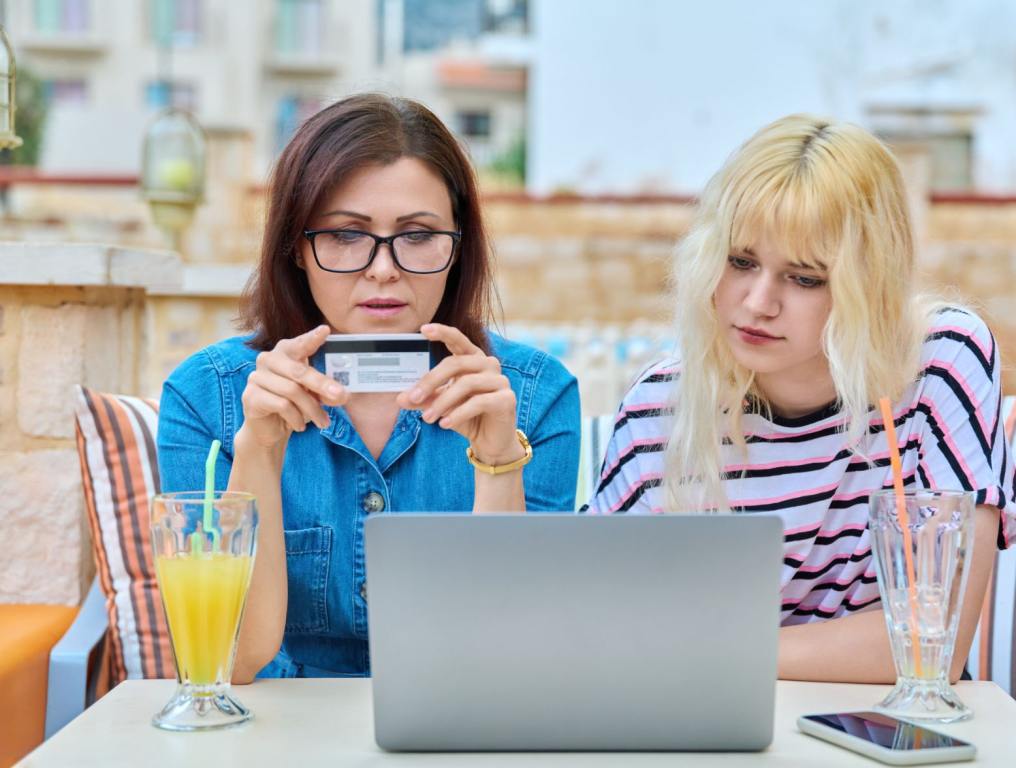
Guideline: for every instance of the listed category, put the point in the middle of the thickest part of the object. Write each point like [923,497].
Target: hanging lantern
[8,76]
[173,169]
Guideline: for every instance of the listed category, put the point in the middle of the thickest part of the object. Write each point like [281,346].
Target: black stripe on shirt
[850,607]
[794,501]
[642,413]
[968,342]
[856,557]
[975,424]
[822,540]
[944,448]
[637,494]
[657,378]
[832,587]
[624,459]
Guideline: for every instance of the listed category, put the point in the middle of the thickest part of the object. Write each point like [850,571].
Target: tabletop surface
[330,722]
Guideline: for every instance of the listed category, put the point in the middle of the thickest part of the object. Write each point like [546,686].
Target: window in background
[160,94]
[506,16]
[61,16]
[291,112]
[175,22]
[432,24]
[950,156]
[944,134]
[298,27]
[473,124]
[60,93]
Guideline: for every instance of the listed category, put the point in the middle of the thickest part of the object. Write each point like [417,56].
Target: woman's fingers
[500,401]
[289,359]
[311,379]
[303,346]
[448,370]
[308,405]
[464,388]
[260,403]
[456,341]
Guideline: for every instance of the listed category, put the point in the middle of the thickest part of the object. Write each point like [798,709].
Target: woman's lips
[382,307]
[754,336]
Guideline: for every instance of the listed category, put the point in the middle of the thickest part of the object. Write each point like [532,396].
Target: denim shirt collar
[404,435]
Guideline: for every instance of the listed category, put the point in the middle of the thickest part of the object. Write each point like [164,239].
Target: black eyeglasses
[421,252]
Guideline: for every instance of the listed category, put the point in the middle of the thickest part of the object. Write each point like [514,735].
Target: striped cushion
[120,474]
[993,652]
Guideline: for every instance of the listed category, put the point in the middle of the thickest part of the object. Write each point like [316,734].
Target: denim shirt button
[373,502]
[363,591]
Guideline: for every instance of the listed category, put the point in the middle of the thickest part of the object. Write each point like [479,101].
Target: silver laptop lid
[573,632]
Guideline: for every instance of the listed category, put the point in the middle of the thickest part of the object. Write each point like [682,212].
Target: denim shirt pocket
[308,552]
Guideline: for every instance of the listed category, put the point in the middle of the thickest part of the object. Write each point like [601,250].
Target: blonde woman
[796,311]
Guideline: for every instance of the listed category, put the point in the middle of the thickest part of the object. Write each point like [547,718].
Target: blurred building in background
[262,66]
[652,96]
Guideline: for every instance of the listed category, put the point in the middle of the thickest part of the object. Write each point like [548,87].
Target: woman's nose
[383,267]
[763,297]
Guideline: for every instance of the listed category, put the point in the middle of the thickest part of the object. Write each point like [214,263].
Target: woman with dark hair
[373,226]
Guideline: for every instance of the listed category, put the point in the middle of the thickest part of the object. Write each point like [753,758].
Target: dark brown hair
[365,129]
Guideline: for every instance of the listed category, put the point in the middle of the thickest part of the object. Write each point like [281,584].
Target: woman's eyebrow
[417,215]
[817,267]
[353,214]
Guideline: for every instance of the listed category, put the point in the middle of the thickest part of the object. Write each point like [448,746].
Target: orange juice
[204,595]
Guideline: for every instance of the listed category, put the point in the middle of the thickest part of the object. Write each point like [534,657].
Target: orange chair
[27,633]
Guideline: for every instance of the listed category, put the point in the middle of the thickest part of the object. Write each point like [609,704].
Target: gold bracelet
[498,469]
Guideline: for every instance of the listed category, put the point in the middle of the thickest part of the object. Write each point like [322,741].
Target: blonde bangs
[793,214]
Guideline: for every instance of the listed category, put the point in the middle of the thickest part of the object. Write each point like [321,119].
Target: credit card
[381,362]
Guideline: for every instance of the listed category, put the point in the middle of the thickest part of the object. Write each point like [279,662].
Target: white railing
[605,358]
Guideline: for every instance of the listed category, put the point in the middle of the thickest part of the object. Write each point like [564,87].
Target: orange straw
[901,513]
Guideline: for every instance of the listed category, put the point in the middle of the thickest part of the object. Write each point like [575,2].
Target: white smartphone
[887,739]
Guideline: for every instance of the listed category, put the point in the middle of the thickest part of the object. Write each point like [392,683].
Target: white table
[329,722]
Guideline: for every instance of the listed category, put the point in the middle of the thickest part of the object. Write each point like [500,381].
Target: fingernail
[444,422]
[428,416]
[416,395]
[334,390]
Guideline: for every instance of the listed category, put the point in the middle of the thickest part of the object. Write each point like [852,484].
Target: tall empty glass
[922,613]
[203,572]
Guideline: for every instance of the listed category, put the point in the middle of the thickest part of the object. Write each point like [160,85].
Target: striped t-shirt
[950,436]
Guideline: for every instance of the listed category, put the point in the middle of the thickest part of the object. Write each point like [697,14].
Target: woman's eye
[808,282]
[417,237]
[346,237]
[739,262]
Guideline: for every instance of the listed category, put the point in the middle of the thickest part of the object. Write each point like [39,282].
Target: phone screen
[887,731]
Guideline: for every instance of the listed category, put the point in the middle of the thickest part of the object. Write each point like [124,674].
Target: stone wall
[607,261]
[69,315]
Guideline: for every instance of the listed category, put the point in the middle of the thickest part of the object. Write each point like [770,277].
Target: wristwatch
[499,469]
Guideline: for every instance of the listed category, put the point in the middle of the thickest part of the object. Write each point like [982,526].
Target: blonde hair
[830,195]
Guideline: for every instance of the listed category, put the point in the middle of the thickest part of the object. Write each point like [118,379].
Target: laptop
[573,632]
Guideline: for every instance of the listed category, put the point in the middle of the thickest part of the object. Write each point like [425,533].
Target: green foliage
[28,120]
[511,164]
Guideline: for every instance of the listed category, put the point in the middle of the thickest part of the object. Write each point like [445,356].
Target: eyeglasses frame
[310,234]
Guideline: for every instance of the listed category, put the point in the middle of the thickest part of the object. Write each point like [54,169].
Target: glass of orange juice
[204,554]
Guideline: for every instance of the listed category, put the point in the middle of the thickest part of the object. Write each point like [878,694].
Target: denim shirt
[331,482]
